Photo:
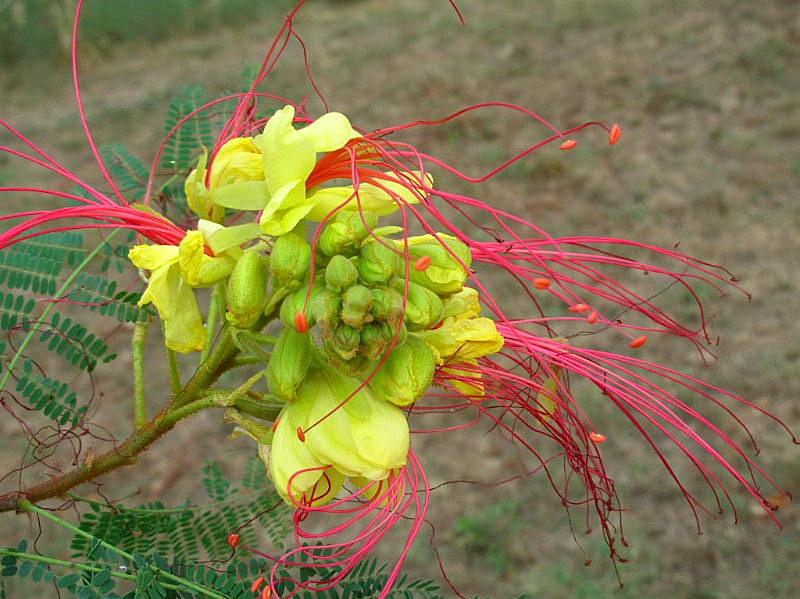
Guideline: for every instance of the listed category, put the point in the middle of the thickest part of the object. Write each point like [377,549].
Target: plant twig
[139,398]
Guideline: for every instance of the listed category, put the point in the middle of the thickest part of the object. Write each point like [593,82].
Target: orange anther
[275,426]
[266,593]
[423,263]
[638,342]
[579,308]
[300,434]
[614,134]
[569,144]
[233,540]
[257,583]
[542,283]
[597,437]
[301,322]
[593,316]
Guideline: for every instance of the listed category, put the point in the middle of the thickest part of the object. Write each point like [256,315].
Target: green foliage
[129,172]
[20,270]
[183,147]
[53,398]
[99,294]
[188,533]
[73,342]
[16,310]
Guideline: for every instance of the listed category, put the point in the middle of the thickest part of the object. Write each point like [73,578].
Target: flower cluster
[344,271]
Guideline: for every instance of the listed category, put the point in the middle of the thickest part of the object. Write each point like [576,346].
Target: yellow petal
[241,195]
[329,132]
[151,257]
[467,379]
[381,199]
[197,268]
[294,470]
[184,331]
[287,207]
[239,159]
[462,305]
[464,339]
[288,156]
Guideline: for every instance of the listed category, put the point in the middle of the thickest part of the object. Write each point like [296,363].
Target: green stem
[27,506]
[32,557]
[139,397]
[51,561]
[174,372]
[215,306]
[62,291]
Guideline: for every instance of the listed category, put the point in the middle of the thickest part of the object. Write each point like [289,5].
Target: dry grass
[709,99]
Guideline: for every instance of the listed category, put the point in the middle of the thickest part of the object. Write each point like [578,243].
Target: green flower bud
[356,303]
[296,302]
[290,260]
[344,342]
[442,272]
[289,363]
[376,337]
[378,262]
[325,309]
[247,290]
[345,232]
[424,308]
[387,305]
[406,374]
[340,273]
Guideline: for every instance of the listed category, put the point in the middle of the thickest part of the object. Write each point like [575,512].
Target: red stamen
[542,283]
[233,540]
[301,322]
[423,263]
[300,434]
[569,144]
[579,308]
[593,316]
[614,134]
[597,437]
[638,342]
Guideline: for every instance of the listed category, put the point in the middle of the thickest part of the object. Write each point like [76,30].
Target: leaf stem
[139,398]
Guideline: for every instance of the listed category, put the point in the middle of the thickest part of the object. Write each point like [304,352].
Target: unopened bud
[387,305]
[247,290]
[378,262]
[356,302]
[424,308]
[296,303]
[325,308]
[289,363]
[344,234]
[446,262]
[406,374]
[290,260]
[344,342]
[340,273]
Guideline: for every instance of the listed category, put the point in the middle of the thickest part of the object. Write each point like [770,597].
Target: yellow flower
[174,271]
[462,338]
[365,438]
[237,171]
[269,173]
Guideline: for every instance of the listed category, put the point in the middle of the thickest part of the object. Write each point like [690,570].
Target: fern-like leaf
[101,295]
[73,342]
[183,147]
[49,396]
[128,170]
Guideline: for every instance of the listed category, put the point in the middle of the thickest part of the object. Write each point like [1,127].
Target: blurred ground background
[708,96]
